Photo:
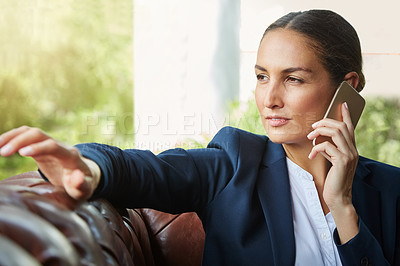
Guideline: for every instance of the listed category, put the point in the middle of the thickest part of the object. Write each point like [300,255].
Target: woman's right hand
[62,165]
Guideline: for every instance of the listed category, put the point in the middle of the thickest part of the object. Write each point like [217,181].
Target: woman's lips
[277,121]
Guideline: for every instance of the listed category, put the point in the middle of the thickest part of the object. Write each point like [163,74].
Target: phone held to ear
[355,102]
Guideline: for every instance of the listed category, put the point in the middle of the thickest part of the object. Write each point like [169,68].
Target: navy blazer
[240,189]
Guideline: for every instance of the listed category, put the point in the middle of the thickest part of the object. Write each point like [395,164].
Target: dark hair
[333,38]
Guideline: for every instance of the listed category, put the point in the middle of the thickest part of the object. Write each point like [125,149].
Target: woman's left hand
[344,157]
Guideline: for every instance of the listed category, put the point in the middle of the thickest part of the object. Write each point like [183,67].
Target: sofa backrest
[41,225]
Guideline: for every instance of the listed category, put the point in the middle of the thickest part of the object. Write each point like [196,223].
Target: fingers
[33,142]
[63,165]
[49,146]
[326,149]
[19,138]
[341,134]
[337,135]
[5,137]
[347,120]
[332,153]
[80,184]
[345,126]
[77,185]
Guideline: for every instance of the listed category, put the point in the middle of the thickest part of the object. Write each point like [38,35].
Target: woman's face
[293,88]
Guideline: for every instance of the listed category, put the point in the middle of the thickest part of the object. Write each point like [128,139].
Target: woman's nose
[273,96]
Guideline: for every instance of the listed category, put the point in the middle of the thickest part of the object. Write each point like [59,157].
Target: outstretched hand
[62,165]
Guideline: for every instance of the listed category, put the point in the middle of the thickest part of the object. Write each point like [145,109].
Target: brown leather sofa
[41,225]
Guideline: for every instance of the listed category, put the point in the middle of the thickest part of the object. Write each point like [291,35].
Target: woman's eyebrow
[294,69]
[260,68]
[287,70]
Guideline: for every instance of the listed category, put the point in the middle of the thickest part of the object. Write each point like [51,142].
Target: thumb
[347,120]
[78,185]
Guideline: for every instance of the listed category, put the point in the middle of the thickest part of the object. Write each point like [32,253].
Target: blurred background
[156,74]
[66,67]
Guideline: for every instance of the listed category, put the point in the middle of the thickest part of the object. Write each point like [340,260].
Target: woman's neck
[318,167]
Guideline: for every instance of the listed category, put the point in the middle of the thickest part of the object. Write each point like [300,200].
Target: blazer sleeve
[376,198]
[363,249]
[174,181]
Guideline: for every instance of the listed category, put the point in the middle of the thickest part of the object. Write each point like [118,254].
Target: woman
[268,201]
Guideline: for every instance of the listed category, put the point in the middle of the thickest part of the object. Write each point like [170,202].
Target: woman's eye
[261,77]
[294,80]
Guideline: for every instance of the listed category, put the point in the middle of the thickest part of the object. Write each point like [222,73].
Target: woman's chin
[285,139]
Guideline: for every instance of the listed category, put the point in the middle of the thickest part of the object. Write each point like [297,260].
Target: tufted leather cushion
[186,245]
[41,224]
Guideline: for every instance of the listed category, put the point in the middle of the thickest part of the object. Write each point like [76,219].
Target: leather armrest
[41,225]
[54,229]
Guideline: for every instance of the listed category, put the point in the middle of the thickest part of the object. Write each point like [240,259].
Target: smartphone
[345,93]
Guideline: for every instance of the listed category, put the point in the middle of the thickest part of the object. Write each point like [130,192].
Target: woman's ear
[352,78]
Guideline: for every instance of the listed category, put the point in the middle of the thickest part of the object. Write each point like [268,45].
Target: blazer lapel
[274,192]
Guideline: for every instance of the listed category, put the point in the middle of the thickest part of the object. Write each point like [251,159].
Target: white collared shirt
[313,230]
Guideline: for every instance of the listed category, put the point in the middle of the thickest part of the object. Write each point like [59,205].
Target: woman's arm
[356,244]
[176,180]
[363,249]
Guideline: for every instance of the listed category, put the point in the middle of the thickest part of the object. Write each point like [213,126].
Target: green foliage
[377,133]
[66,68]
